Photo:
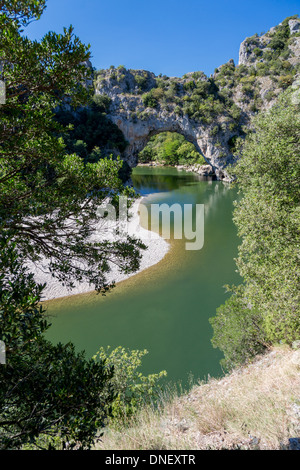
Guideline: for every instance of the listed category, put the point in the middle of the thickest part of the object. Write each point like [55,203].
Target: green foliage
[22,11]
[253,40]
[204,99]
[269,95]
[257,51]
[248,90]
[43,182]
[268,220]
[131,388]
[141,81]
[171,149]
[277,44]
[195,95]
[269,59]
[189,86]
[21,318]
[235,143]
[93,130]
[285,81]
[102,102]
[238,330]
[214,130]
[282,31]
[49,395]
[149,100]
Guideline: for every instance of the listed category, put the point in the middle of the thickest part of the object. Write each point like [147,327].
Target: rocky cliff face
[140,122]
[252,47]
[208,112]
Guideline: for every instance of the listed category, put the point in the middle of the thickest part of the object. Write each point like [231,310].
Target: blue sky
[171,37]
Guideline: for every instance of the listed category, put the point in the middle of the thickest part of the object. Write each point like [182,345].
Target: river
[166,308]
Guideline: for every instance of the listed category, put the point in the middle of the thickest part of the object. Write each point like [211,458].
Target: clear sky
[171,37]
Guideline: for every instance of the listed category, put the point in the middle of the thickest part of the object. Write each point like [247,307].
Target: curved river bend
[165,308]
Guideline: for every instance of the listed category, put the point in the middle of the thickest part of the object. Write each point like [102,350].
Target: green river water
[164,309]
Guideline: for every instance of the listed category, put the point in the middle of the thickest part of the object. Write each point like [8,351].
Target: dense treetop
[265,309]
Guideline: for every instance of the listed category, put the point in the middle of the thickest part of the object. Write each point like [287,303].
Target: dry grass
[256,407]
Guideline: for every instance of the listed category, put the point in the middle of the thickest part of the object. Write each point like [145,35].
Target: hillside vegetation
[254,407]
[54,177]
[265,308]
[216,112]
[268,64]
[170,148]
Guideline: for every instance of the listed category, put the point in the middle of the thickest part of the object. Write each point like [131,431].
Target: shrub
[269,95]
[257,51]
[285,81]
[131,388]
[141,81]
[264,310]
[103,102]
[247,90]
[277,44]
[189,86]
[149,101]
[237,330]
[214,130]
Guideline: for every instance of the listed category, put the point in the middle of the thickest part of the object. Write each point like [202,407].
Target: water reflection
[165,308]
[147,180]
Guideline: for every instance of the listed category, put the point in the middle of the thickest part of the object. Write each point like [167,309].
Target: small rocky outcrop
[294,26]
[201,170]
[251,48]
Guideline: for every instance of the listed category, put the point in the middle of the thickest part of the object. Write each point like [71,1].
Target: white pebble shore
[157,248]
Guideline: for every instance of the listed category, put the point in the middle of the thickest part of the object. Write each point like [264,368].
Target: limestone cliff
[139,122]
[210,112]
[249,53]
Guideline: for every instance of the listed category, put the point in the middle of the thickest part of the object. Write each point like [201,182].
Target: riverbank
[157,248]
[253,408]
[166,307]
[199,169]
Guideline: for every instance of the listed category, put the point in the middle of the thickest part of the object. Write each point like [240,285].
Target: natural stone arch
[138,141]
[139,133]
[207,111]
[138,122]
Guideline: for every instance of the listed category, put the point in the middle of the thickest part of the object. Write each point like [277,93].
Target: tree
[49,198]
[91,126]
[267,218]
[50,395]
[170,148]
[149,100]
[132,389]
